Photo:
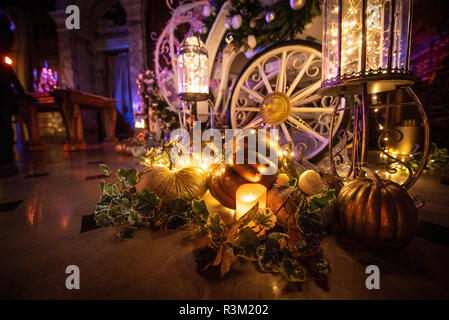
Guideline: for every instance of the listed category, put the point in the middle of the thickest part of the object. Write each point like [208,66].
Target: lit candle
[247,196]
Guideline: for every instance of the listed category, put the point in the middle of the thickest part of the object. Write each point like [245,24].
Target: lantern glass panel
[367,40]
[351,37]
[401,35]
[331,47]
[378,21]
[193,80]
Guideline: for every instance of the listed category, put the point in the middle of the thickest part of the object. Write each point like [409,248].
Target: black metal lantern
[366,41]
[366,50]
[193,78]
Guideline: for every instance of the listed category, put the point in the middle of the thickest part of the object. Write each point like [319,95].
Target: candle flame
[8,60]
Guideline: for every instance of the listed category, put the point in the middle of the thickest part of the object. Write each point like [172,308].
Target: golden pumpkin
[378,212]
[188,182]
[223,183]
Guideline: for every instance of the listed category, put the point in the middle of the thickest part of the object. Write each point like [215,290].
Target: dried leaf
[219,256]
[228,258]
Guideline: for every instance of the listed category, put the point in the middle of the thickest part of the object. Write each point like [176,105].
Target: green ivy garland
[438,158]
[286,25]
[253,237]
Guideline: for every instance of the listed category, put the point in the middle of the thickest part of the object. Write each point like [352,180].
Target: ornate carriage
[283,76]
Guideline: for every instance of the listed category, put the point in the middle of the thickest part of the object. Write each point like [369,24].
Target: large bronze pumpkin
[224,180]
[253,172]
[378,212]
[188,182]
[223,183]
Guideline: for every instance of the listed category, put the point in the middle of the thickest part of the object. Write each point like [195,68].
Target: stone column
[68,40]
[135,23]
[67,63]
[100,72]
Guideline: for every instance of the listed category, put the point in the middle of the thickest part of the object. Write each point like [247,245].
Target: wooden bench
[70,103]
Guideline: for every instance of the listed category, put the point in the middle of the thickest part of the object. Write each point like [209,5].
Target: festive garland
[253,23]
[438,158]
[254,236]
[152,99]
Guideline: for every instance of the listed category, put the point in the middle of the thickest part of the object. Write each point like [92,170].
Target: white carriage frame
[167,43]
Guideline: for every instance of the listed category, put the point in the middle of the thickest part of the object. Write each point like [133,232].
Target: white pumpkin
[310,182]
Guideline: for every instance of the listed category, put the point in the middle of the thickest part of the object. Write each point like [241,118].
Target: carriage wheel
[277,89]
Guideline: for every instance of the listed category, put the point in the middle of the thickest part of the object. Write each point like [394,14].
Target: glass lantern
[366,41]
[193,78]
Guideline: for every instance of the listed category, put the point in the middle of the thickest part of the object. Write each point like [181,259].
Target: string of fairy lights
[378,15]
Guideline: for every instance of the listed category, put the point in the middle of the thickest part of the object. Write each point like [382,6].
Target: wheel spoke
[300,75]
[251,109]
[302,126]
[281,74]
[305,92]
[256,95]
[287,134]
[312,110]
[264,78]
[254,123]
[307,100]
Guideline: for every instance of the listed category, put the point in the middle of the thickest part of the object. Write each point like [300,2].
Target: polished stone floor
[41,237]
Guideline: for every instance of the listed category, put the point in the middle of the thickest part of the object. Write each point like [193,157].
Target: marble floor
[41,237]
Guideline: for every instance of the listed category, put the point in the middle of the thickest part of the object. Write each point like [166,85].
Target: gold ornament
[297,4]
[252,42]
[236,21]
[270,16]
[229,38]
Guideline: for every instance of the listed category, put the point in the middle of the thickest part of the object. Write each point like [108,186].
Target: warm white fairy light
[377,20]
[193,80]
[140,123]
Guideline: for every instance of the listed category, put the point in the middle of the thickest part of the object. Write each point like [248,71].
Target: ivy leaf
[272,255]
[133,218]
[319,266]
[316,203]
[178,214]
[105,168]
[260,251]
[204,258]
[101,215]
[110,189]
[127,176]
[146,202]
[102,183]
[265,218]
[301,246]
[280,238]
[214,225]
[199,208]
[248,242]
[293,271]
